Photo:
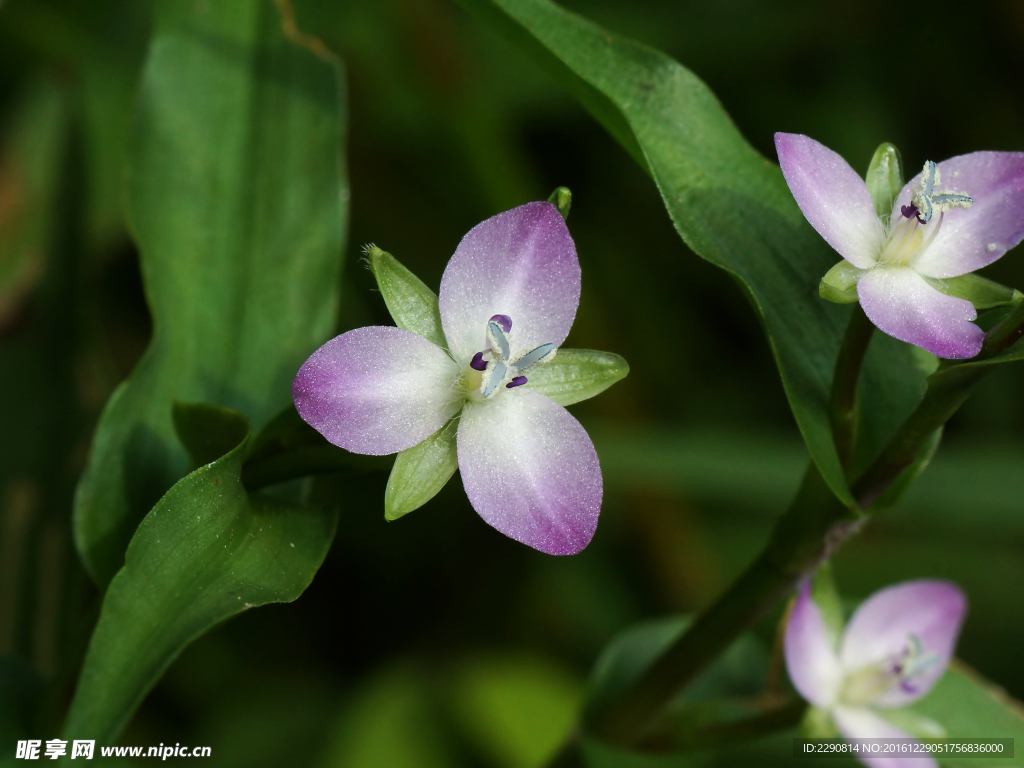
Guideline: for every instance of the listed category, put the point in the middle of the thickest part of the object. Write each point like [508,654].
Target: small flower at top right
[951,219]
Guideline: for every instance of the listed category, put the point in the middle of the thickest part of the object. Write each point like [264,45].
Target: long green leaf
[968,706]
[207,551]
[728,203]
[237,202]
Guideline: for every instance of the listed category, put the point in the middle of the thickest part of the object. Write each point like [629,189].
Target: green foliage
[236,200]
[968,706]
[728,203]
[207,551]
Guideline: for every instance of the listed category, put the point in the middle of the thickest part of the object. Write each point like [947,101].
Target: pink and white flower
[892,652]
[955,217]
[507,301]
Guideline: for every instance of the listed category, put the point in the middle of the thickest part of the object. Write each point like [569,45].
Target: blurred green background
[434,640]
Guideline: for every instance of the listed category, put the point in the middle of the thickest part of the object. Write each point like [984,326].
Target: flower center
[911,236]
[496,368]
[902,669]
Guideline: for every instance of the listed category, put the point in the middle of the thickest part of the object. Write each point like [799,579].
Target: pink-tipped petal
[970,238]
[376,390]
[810,659]
[902,304]
[881,629]
[530,471]
[862,723]
[833,198]
[522,264]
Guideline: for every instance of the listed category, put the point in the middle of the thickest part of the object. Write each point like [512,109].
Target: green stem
[843,402]
[812,527]
[948,389]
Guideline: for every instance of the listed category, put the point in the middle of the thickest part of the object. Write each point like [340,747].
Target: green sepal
[818,724]
[980,291]
[412,305]
[577,374]
[839,285]
[826,597]
[421,471]
[885,178]
[561,198]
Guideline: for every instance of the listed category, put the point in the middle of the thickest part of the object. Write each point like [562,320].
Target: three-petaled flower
[950,220]
[894,649]
[507,301]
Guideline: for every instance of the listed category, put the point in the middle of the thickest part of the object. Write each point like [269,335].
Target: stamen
[499,342]
[528,360]
[909,211]
[504,321]
[497,376]
[477,363]
[928,200]
[518,381]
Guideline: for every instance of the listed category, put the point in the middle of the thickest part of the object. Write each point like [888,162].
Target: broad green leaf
[236,200]
[578,374]
[729,204]
[208,431]
[968,706]
[287,448]
[421,471]
[884,178]
[207,551]
[412,305]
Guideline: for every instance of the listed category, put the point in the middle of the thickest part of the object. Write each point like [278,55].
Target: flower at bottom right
[894,649]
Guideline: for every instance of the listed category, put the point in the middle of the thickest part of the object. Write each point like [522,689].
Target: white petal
[810,659]
[833,198]
[376,390]
[530,471]
[521,263]
[862,723]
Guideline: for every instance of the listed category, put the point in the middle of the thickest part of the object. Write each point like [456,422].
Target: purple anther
[909,211]
[908,687]
[518,381]
[504,321]
[477,363]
